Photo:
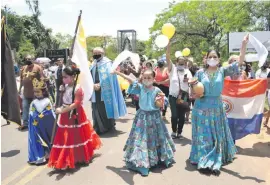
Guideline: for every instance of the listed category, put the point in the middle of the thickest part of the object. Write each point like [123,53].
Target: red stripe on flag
[244,88]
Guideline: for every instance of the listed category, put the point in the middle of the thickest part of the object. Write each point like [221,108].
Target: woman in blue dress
[149,141]
[41,120]
[212,143]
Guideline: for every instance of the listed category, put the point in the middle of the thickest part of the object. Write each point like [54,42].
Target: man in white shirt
[179,88]
[263,73]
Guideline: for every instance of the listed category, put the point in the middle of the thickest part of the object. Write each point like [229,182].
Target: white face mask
[180,68]
[212,62]
[243,68]
[147,83]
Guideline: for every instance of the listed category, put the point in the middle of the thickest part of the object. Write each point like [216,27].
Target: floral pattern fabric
[149,141]
[212,143]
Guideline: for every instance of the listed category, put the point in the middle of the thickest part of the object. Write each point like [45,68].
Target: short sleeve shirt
[27,76]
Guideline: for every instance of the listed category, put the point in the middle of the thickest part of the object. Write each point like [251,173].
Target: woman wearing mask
[212,143]
[179,89]
[162,80]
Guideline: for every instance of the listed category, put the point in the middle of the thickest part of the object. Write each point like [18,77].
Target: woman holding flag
[212,143]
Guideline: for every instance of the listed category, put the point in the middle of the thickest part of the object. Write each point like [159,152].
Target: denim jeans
[26,106]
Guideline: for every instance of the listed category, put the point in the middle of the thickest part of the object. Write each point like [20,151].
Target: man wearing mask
[28,73]
[58,78]
[107,101]
[262,72]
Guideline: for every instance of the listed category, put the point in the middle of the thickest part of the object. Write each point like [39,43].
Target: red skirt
[73,143]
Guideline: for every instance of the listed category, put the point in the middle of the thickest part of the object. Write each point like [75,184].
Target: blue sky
[100,17]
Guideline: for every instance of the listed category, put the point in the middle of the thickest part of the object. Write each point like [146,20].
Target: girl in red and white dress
[75,139]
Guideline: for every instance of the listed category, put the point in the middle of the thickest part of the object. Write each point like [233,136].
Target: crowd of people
[49,91]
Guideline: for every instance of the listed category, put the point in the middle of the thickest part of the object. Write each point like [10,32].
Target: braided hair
[72,70]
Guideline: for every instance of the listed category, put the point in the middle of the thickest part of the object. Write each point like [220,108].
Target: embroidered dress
[73,142]
[149,141]
[41,120]
[212,143]
[108,103]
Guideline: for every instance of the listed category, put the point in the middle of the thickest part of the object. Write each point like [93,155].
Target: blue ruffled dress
[149,141]
[212,143]
[41,121]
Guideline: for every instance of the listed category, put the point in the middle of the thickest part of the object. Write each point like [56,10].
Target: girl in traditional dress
[149,142]
[75,139]
[41,120]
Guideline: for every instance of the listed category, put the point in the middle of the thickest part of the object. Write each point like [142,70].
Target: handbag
[183,97]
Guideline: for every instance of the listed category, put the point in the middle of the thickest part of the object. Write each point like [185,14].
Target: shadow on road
[124,120]
[112,133]
[183,142]
[190,167]
[236,174]
[10,153]
[5,125]
[60,174]
[124,173]
[159,168]
[259,149]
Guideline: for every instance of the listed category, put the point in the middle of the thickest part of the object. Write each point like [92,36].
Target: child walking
[149,141]
[75,139]
[41,119]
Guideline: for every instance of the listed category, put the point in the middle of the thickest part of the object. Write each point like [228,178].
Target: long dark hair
[73,71]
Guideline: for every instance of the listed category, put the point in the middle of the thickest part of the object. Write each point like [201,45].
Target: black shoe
[23,127]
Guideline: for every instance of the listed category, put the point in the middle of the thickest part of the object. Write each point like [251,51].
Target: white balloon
[162,41]
[178,54]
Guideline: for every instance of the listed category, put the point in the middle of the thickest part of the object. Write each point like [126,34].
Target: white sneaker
[173,135]
[180,136]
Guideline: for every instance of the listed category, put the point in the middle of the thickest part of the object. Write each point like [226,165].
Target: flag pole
[74,38]
[68,62]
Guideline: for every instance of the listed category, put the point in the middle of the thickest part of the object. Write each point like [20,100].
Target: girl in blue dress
[41,120]
[149,141]
[212,143]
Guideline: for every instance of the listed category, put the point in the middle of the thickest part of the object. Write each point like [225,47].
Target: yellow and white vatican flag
[79,57]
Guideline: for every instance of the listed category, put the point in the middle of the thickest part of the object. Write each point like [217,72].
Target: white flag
[79,57]
[135,59]
[260,48]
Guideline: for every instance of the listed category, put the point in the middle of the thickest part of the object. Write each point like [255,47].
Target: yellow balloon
[125,85]
[168,29]
[225,64]
[186,52]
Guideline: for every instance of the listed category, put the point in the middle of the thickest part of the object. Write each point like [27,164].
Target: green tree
[203,25]
[108,43]
[141,46]
[65,40]
[25,47]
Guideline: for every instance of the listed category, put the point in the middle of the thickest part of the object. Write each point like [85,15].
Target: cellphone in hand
[185,77]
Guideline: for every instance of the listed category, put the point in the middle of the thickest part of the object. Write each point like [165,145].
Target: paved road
[251,166]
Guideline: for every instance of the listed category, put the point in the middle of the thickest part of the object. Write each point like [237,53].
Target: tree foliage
[26,30]
[64,40]
[204,25]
